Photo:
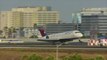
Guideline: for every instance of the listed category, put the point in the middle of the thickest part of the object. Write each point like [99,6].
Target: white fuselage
[65,35]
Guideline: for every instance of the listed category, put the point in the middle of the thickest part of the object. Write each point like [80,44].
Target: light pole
[57,50]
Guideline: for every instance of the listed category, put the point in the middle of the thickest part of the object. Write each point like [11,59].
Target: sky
[65,7]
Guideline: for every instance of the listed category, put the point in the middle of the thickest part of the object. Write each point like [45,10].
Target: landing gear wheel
[47,37]
[80,41]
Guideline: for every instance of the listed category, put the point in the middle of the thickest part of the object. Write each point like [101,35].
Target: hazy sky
[65,7]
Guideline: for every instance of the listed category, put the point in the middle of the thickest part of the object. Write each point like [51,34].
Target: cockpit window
[67,32]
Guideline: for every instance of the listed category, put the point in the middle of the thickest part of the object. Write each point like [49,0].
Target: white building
[28,32]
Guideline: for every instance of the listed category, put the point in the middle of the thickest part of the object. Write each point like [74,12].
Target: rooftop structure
[94,11]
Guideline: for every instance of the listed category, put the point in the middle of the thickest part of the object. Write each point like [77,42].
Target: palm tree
[12,31]
[5,32]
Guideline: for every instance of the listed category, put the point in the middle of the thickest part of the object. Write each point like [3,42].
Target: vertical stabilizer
[42,32]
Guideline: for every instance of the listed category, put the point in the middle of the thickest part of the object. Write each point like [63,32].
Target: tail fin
[42,32]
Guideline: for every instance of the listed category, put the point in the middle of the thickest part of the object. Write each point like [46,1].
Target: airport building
[3,19]
[47,17]
[76,18]
[40,15]
[10,19]
[94,21]
[58,28]
[37,15]
[28,16]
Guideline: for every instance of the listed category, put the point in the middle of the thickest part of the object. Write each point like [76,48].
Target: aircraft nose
[80,35]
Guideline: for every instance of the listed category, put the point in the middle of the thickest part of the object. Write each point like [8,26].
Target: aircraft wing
[55,40]
[48,39]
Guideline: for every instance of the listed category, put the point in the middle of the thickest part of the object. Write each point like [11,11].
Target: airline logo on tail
[42,32]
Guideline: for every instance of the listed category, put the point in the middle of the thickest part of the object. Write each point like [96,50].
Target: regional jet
[60,37]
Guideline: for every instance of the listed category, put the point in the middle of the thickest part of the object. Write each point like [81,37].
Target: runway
[47,46]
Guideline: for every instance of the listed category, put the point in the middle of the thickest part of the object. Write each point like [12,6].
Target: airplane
[60,37]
